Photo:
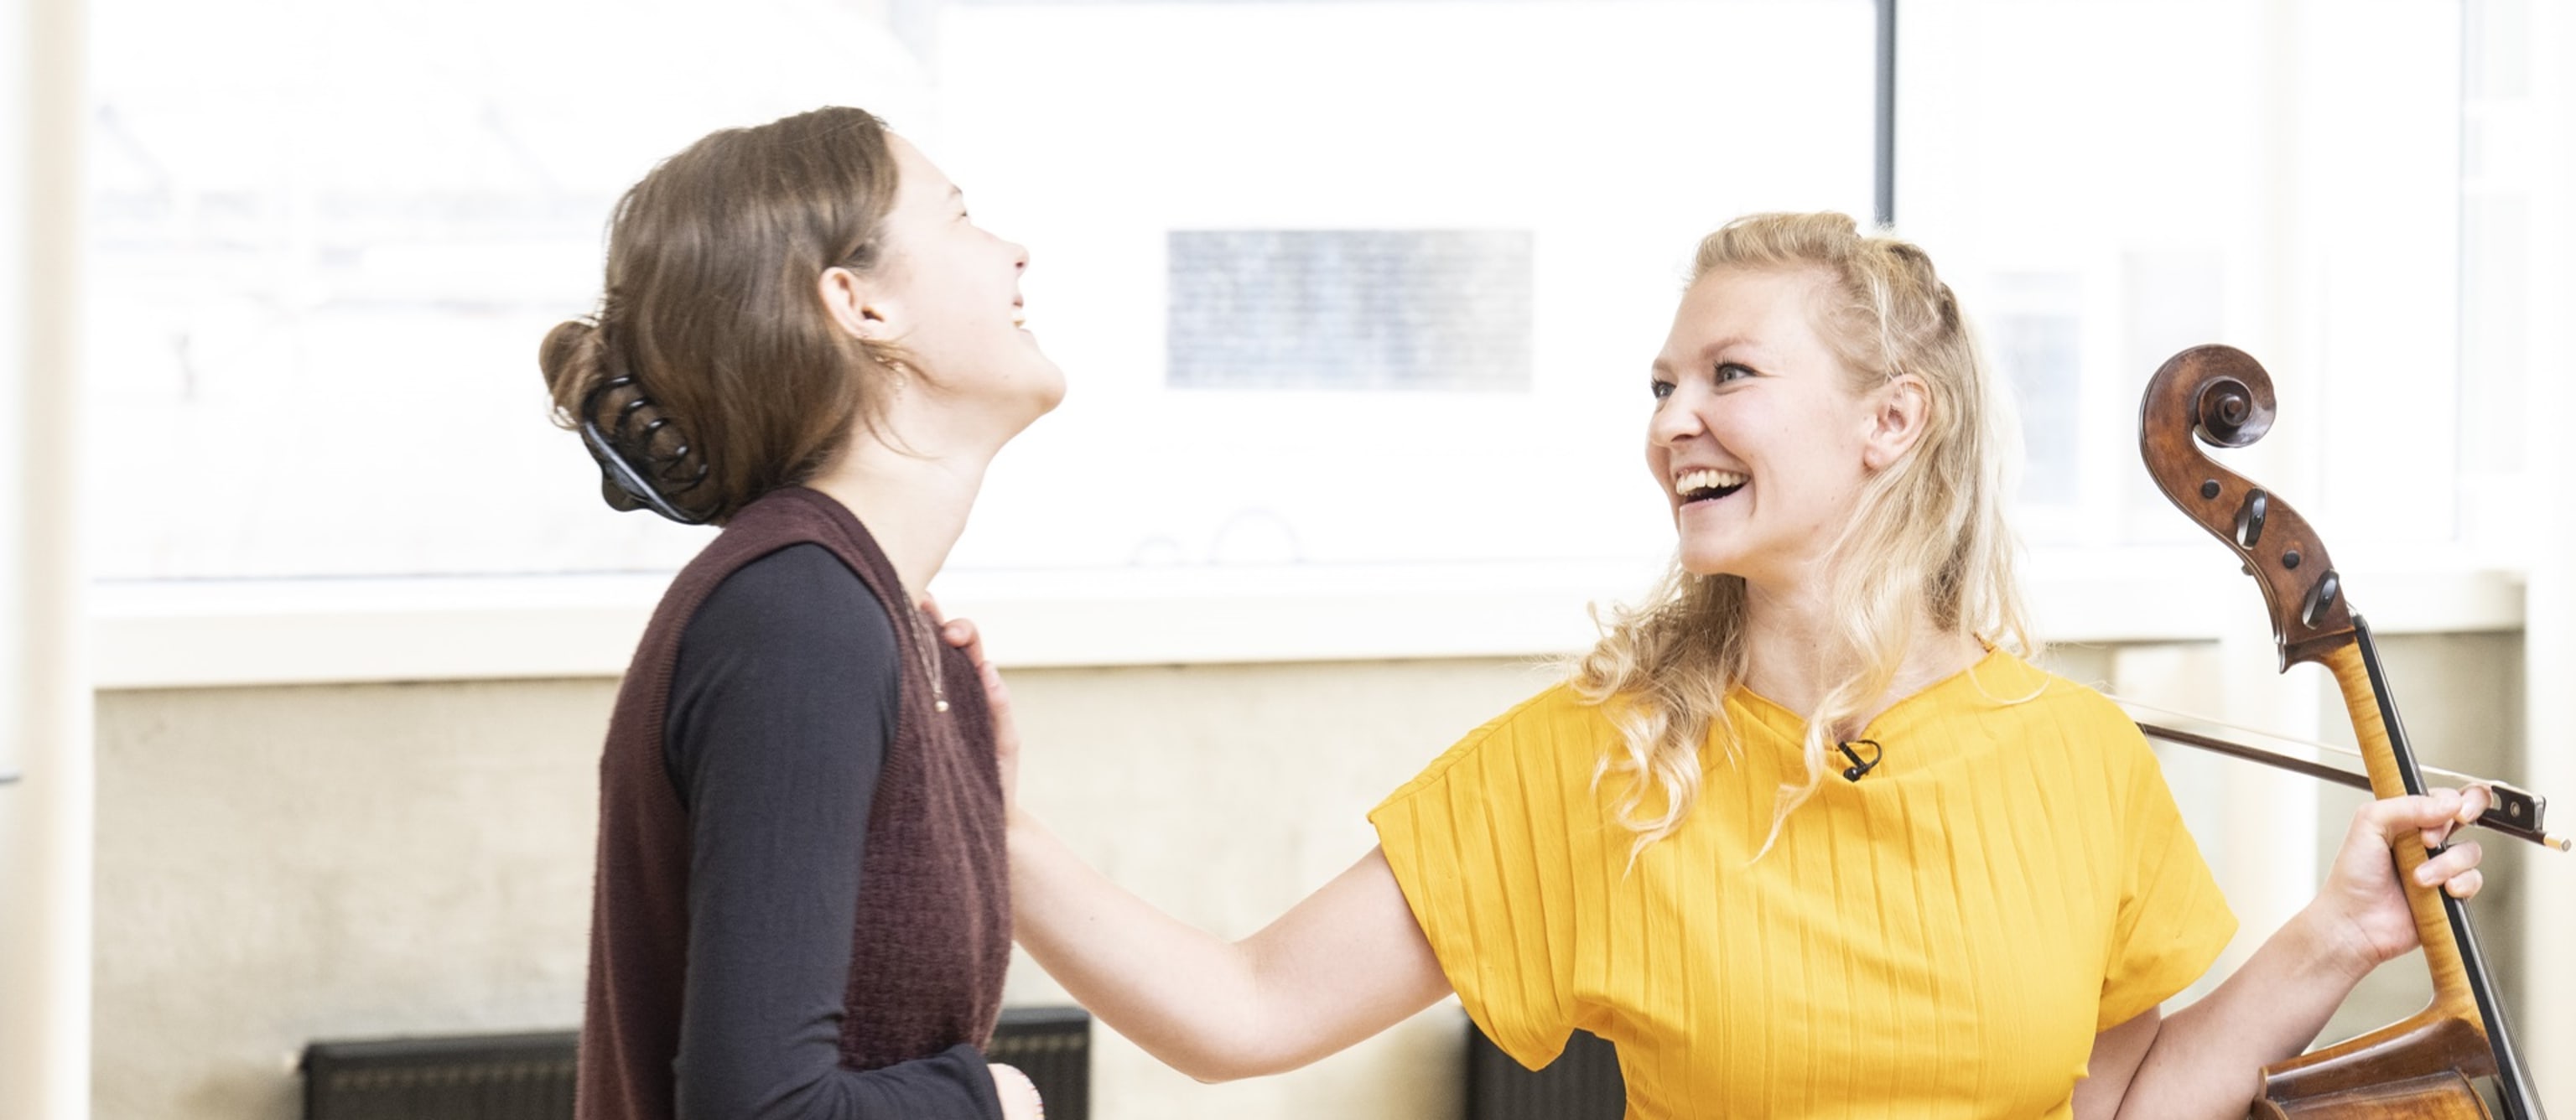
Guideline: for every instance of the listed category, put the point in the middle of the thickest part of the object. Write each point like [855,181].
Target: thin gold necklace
[927,651]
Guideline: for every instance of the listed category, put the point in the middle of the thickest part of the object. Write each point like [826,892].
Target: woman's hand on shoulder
[2362,900]
[963,634]
[1020,1100]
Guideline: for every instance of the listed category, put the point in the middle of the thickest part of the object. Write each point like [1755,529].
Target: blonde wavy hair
[1927,539]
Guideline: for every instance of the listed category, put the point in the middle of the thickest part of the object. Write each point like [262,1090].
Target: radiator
[530,1076]
[475,1077]
[1053,1046]
[1583,1083]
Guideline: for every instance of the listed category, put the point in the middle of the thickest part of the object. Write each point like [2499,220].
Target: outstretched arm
[2208,1059]
[1342,965]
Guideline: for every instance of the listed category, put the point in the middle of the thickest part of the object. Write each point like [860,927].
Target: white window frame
[227,634]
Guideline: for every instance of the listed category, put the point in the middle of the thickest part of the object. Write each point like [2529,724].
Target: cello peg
[2249,517]
[2321,598]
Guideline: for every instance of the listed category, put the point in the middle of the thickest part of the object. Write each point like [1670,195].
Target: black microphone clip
[1853,772]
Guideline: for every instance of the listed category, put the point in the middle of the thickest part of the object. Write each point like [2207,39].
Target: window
[2498,176]
[2283,179]
[1594,134]
[324,242]
[327,240]
[2034,335]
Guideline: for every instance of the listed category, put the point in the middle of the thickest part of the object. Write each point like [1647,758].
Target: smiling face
[1758,438]
[948,294]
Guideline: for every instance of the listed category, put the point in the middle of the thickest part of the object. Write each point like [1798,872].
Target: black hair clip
[623,484]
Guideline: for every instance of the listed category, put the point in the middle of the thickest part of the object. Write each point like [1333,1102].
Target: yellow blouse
[1942,938]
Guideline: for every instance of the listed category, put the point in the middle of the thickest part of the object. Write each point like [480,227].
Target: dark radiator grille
[530,1076]
[483,1077]
[1581,1084]
[1053,1046]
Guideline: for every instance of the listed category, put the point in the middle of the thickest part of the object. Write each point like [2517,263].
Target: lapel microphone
[1853,772]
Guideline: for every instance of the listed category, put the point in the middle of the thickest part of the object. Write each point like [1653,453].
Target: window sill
[243,633]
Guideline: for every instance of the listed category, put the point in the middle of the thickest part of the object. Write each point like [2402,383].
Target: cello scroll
[2221,395]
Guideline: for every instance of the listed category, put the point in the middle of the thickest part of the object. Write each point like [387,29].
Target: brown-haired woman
[802,906]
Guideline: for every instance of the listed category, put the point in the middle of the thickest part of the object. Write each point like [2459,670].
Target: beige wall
[280,865]
[277,865]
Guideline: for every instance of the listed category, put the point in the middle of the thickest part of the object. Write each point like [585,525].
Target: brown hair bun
[736,380]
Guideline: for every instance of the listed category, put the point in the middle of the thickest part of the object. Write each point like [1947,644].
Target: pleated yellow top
[1942,938]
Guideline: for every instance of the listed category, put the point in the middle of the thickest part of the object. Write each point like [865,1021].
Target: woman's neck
[915,505]
[1794,655]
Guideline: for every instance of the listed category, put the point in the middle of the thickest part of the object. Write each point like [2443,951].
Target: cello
[2427,1064]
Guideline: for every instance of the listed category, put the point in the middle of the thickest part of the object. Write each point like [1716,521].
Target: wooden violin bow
[2424,1065]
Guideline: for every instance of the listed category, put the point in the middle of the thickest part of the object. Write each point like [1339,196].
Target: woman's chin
[1041,394]
[1705,565]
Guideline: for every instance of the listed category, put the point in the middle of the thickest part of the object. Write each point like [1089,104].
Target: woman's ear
[1900,409]
[856,305]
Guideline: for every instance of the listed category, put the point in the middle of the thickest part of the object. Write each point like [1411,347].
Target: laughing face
[956,289]
[1758,437]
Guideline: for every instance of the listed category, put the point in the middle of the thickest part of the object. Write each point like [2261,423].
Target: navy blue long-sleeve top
[782,704]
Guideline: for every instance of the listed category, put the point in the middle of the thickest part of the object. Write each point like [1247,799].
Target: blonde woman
[1976,910]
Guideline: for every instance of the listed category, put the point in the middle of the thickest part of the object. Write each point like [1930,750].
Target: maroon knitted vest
[934,923]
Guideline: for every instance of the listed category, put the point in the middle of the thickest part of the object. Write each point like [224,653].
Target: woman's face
[956,292]
[1756,437]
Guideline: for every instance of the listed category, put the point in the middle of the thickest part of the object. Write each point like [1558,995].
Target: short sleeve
[1479,844]
[2172,921]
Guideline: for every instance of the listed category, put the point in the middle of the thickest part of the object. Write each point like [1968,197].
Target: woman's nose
[1675,420]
